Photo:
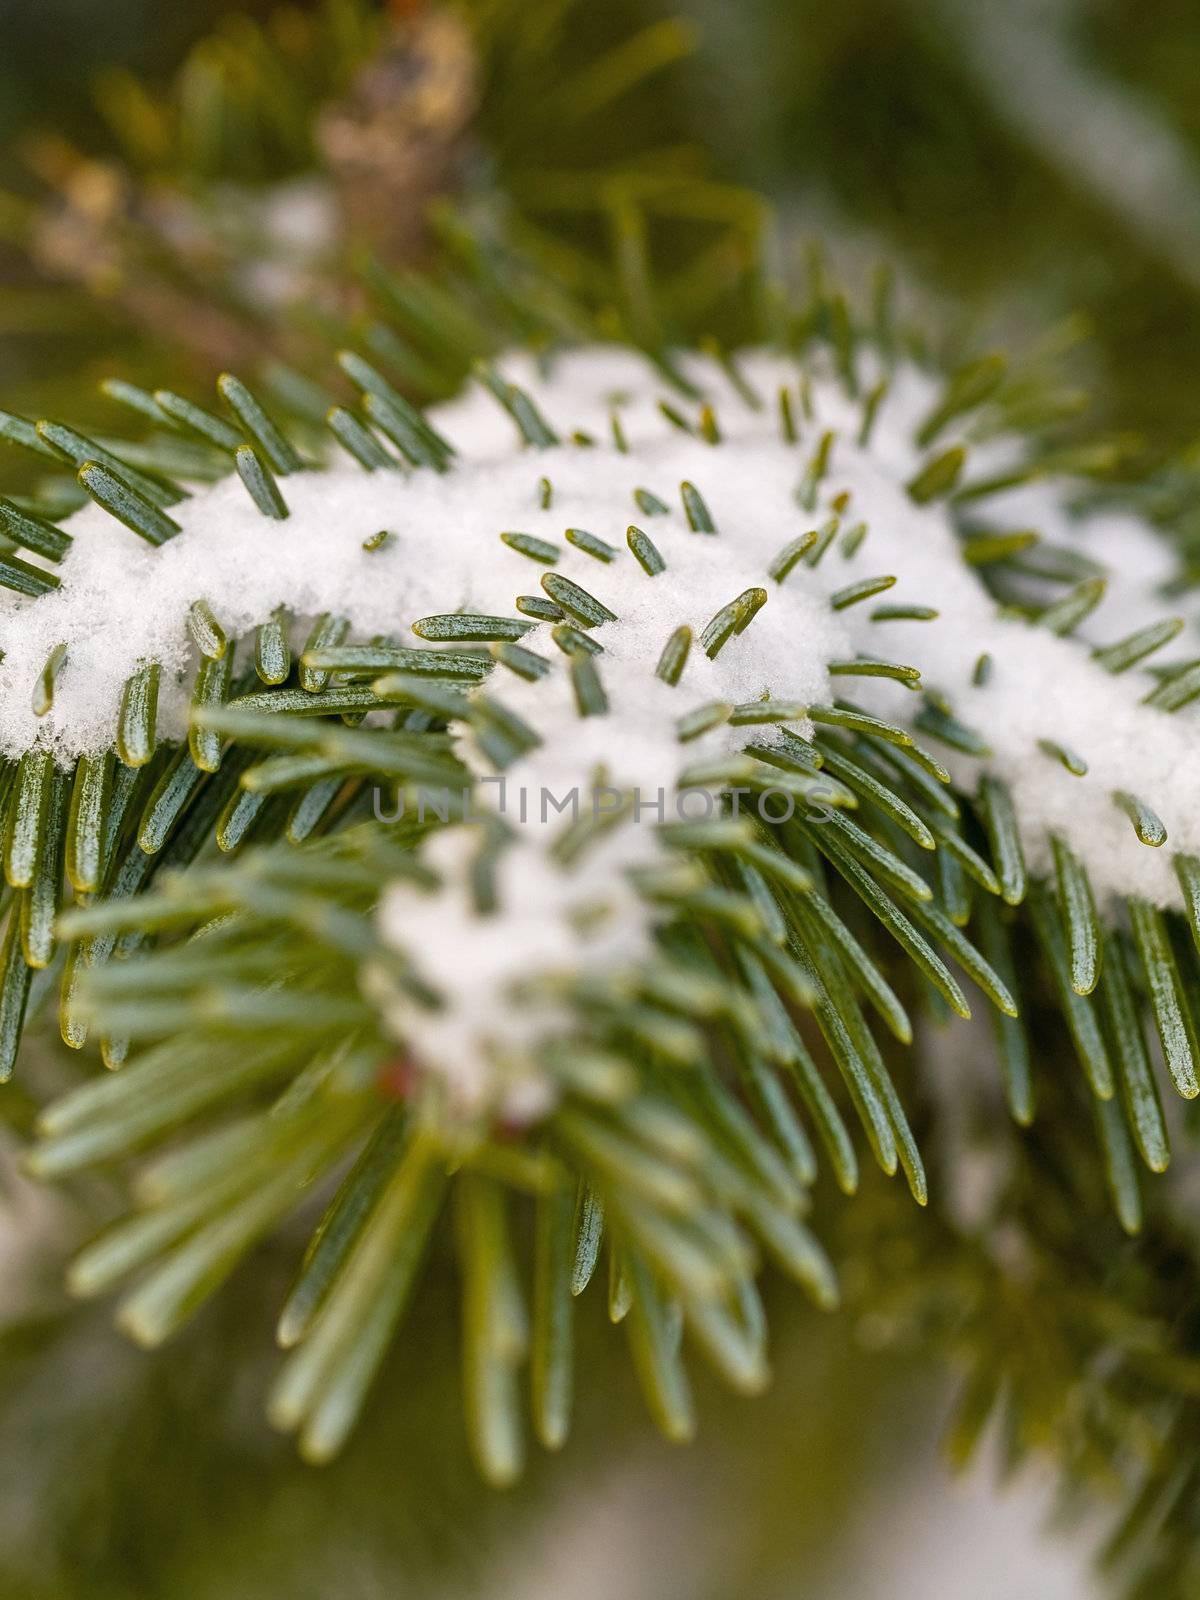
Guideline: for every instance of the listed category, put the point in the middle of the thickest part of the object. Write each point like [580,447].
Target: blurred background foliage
[1022,161]
[1026,159]
[1024,164]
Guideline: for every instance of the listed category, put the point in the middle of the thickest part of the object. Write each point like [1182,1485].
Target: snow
[122,602]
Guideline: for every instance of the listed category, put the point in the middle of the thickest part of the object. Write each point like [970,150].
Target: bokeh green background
[901,125]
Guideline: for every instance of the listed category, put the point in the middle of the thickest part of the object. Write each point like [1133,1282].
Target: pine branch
[254,947]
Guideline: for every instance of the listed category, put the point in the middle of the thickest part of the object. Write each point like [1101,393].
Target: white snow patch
[122,602]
